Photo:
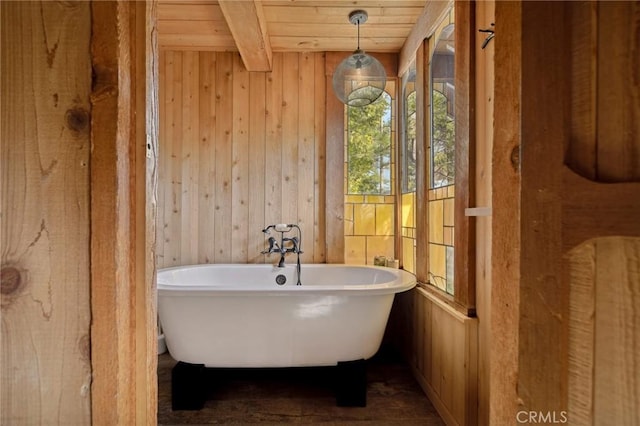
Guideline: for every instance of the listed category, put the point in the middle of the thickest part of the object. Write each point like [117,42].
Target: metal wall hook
[490,37]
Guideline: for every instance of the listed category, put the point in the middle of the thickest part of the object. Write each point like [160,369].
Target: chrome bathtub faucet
[286,245]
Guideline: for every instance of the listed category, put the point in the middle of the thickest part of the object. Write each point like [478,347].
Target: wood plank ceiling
[256,28]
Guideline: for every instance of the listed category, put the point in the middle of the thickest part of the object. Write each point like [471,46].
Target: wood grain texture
[256,151]
[45,81]
[618,92]
[144,184]
[334,183]
[603,338]
[259,27]
[427,23]
[273,177]
[320,162]
[190,152]
[223,208]
[111,256]
[422,162]
[290,139]
[445,346]
[206,158]
[505,227]
[484,76]
[581,265]
[124,113]
[582,144]
[576,351]
[617,321]
[591,209]
[543,294]
[240,170]
[305,190]
[248,26]
[465,156]
[605,99]
[257,165]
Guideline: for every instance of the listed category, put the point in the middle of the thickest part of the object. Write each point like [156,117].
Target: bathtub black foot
[351,384]
[187,386]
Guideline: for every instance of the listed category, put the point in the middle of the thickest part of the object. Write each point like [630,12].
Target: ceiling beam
[249,29]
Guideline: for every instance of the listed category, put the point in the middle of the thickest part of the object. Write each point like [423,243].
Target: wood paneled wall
[442,349]
[239,150]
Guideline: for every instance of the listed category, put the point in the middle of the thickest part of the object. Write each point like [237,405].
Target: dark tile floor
[301,395]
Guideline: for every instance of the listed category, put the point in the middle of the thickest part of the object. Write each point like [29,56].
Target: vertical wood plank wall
[45,84]
[441,348]
[239,150]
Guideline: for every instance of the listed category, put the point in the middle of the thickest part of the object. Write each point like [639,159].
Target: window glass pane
[369,148]
[409,134]
[442,168]
[442,110]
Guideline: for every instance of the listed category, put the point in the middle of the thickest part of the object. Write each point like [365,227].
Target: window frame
[465,295]
[464,298]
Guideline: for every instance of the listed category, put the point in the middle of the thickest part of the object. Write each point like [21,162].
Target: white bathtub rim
[403,281]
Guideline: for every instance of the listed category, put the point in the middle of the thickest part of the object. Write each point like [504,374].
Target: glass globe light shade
[359,79]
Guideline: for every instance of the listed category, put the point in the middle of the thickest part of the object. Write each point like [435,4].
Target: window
[369,203]
[409,133]
[408,154]
[443,110]
[369,148]
[442,155]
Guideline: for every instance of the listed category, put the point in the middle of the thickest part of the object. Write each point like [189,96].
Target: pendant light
[360,78]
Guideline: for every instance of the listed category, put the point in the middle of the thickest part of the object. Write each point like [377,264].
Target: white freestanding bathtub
[240,316]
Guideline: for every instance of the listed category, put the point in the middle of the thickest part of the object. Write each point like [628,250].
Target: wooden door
[566,203]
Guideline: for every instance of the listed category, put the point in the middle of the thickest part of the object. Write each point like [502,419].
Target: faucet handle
[272,245]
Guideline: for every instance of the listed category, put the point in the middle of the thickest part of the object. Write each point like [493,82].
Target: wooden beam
[426,25]
[249,29]
[593,209]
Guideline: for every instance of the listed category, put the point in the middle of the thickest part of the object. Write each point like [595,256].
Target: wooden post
[505,221]
[123,332]
[465,148]
[45,130]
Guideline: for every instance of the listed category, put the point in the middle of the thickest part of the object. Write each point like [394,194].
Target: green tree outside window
[369,148]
